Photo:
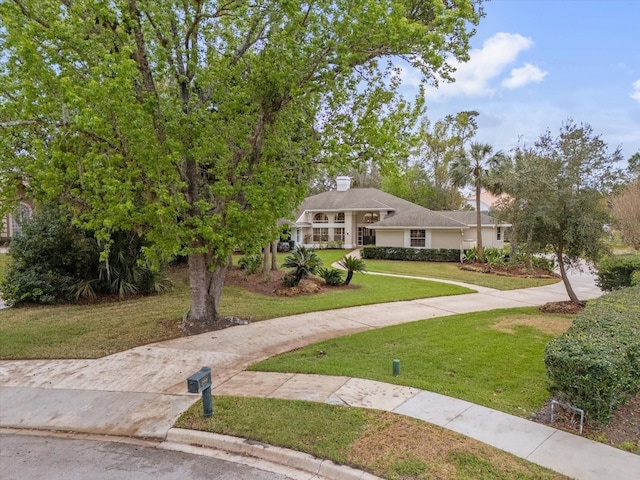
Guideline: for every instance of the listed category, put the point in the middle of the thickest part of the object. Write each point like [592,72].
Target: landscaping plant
[304,262]
[351,265]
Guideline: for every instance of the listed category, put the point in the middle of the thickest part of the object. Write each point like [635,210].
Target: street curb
[263,451]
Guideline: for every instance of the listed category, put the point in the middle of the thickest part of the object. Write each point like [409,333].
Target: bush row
[410,254]
[618,272]
[595,365]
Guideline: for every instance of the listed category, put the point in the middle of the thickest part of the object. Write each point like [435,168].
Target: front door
[366,236]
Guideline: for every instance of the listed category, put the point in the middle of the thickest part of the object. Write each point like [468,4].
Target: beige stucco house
[353,217]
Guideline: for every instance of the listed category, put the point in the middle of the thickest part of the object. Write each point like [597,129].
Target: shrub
[304,262]
[351,265]
[410,254]
[615,272]
[543,263]
[495,256]
[595,365]
[49,256]
[284,246]
[331,276]
[53,262]
[251,263]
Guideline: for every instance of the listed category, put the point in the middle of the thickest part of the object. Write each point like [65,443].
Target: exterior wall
[9,222]
[489,236]
[390,238]
[448,238]
[304,235]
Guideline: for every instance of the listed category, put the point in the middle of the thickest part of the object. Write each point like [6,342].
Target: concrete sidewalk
[142,391]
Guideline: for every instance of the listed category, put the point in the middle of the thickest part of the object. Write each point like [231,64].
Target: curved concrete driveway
[141,392]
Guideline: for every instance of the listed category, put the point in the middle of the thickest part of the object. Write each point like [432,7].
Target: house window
[340,217]
[22,213]
[320,235]
[320,218]
[338,235]
[498,234]
[418,238]
[371,217]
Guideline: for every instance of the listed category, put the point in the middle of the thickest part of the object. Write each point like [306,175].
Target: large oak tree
[197,122]
[557,190]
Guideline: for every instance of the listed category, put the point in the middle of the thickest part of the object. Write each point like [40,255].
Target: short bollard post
[201,382]
[207,402]
[396,368]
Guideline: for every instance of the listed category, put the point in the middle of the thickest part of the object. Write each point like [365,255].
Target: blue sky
[536,63]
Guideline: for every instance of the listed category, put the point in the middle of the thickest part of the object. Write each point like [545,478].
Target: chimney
[344,183]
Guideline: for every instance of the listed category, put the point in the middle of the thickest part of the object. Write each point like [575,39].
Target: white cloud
[522,76]
[409,76]
[473,78]
[636,93]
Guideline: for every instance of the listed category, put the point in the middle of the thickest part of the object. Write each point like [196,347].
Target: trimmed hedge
[595,365]
[617,272]
[410,254]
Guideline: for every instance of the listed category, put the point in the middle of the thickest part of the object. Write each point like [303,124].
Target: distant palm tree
[474,168]
[351,265]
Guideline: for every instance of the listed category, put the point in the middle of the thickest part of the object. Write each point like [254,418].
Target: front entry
[366,236]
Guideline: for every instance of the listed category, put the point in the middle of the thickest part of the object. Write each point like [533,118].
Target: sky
[537,63]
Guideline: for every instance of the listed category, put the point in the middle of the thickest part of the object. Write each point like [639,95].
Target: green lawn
[4,263]
[369,289]
[91,331]
[450,271]
[490,358]
[388,445]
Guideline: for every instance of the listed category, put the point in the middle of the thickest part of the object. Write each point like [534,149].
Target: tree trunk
[480,253]
[513,242]
[274,255]
[265,258]
[563,273]
[205,289]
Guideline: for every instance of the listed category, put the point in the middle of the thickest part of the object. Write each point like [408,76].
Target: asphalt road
[25,457]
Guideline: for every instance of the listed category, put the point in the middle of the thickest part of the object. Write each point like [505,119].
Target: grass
[92,331]
[382,443]
[372,289]
[450,271]
[490,358]
[4,264]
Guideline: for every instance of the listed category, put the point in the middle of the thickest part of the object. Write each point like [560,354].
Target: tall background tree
[625,205]
[473,168]
[197,123]
[558,191]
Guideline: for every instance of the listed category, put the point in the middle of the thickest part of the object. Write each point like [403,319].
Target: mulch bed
[507,270]
[624,426]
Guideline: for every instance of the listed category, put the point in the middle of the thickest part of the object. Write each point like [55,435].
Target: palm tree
[304,261]
[473,168]
[351,265]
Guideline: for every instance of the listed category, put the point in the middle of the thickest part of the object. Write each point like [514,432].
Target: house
[487,200]
[11,223]
[353,217]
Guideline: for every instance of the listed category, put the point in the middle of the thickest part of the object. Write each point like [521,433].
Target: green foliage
[54,261]
[49,256]
[331,276]
[351,265]
[595,365]
[304,262]
[251,263]
[501,257]
[557,195]
[410,254]
[616,272]
[200,123]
